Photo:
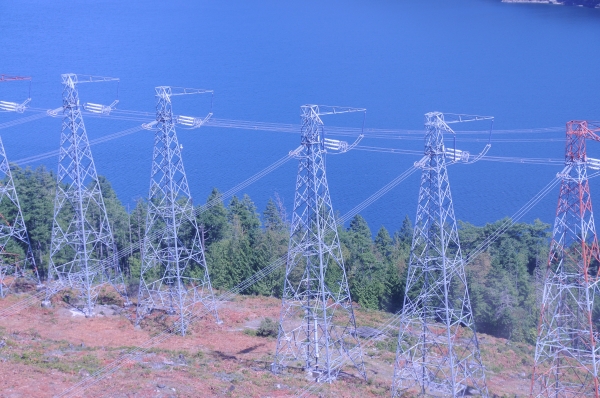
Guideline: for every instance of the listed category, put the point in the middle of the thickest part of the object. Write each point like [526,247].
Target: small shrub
[109,298]
[267,328]
[250,332]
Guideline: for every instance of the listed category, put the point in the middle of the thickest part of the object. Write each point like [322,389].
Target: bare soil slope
[45,351]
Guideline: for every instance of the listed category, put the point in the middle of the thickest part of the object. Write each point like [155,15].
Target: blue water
[529,66]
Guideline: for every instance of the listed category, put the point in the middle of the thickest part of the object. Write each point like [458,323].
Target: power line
[567,350]
[22,120]
[82,251]
[487,158]
[381,133]
[328,326]
[312,387]
[15,308]
[106,138]
[168,258]
[437,308]
[133,353]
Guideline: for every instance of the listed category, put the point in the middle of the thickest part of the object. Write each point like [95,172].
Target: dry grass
[45,351]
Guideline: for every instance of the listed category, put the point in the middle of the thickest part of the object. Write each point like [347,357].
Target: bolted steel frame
[174,276]
[13,230]
[567,356]
[83,254]
[437,309]
[317,324]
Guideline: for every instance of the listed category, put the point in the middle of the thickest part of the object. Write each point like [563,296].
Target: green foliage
[245,247]
[213,222]
[504,281]
[137,229]
[250,332]
[36,190]
[501,280]
[375,268]
[267,328]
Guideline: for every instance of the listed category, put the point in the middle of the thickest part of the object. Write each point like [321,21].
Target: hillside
[52,349]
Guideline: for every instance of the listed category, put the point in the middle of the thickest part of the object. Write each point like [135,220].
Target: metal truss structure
[438,352]
[8,78]
[9,106]
[567,357]
[12,224]
[13,234]
[83,255]
[174,276]
[317,324]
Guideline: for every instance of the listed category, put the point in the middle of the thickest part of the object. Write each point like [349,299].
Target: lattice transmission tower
[317,325]
[13,233]
[567,356]
[174,275]
[438,352]
[83,254]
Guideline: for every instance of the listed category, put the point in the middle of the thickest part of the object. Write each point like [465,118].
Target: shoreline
[554,2]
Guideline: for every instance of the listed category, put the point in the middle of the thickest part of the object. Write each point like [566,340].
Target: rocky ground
[45,351]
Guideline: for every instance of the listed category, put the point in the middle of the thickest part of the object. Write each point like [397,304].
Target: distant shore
[533,1]
[581,3]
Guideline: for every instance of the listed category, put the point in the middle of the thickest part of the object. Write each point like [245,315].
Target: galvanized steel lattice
[12,229]
[174,276]
[83,254]
[317,324]
[567,357]
[438,352]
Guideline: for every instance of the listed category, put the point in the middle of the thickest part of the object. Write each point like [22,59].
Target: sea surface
[529,66]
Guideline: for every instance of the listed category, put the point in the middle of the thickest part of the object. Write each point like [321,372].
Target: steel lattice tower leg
[83,254]
[12,228]
[317,324]
[437,310]
[174,275]
[566,353]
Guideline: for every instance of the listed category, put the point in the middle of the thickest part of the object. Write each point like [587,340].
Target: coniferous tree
[367,272]
[502,279]
[213,222]
[36,190]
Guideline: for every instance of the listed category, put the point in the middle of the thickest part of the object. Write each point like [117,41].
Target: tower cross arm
[7,78]
[592,130]
[76,78]
[170,91]
[320,110]
[450,118]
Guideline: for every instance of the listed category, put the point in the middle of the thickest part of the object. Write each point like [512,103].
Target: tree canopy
[239,241]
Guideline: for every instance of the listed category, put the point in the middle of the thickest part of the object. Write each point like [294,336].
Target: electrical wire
[399,134]
[502,159]
[225,195]
[22,304]
[135,353]
[109,137]
[127,251]
[314,386]
[22,120]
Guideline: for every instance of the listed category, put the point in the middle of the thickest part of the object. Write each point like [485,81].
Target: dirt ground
[44,352]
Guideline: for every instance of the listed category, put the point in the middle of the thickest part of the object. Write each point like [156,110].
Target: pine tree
[367,274]
[213,222]
[36,190]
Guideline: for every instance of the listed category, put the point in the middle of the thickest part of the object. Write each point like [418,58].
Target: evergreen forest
[504,281]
